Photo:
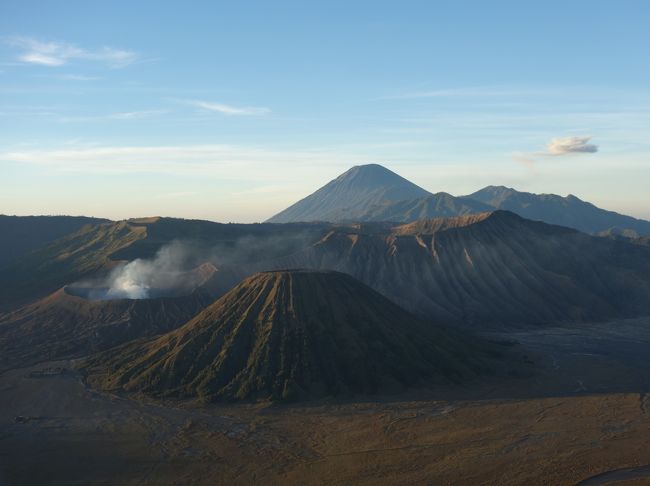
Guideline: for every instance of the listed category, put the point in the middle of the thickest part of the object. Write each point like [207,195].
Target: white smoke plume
[141,279]
[181,266]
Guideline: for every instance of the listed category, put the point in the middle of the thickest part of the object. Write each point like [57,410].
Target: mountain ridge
[568,211]
[343,200]
[24,234]
[492,270]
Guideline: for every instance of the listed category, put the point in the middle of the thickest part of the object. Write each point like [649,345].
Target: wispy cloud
[571,145]
[77,77]
[135,115]
[124,116]
[229,109]
[468,92]
[55,54]
[216,160]
[57,114]
[227,162]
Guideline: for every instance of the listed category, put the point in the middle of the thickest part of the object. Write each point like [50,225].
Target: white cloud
[43,59]
[470,92]
[571,145]
[77,77]
[135,115]
[224,162]
[557,147]
[55,54]
[123,116]
[229,109]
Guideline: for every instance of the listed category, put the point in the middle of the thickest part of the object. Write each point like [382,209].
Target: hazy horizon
[234,112]
[143,216]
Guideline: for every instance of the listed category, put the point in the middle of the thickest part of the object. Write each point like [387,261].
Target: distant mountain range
[374,193]
[566,211]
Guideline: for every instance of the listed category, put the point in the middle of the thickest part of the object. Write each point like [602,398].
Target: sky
[231,111]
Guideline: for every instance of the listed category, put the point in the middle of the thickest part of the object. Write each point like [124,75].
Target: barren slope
[294,334]
[492,268]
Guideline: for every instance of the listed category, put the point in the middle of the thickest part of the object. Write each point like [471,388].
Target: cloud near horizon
[55,54]
[571,145]
[231,110]
[224,162]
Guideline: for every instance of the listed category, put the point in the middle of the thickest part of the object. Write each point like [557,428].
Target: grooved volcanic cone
[292,334]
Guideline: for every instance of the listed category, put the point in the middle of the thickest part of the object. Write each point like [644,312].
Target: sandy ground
[585,413]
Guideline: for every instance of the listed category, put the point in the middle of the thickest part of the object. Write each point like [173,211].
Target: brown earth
[488,270]
[525,431]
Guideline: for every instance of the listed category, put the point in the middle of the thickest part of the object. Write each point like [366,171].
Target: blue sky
[231,111]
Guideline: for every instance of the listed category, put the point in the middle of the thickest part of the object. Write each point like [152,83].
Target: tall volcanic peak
[293,334]
[360,188]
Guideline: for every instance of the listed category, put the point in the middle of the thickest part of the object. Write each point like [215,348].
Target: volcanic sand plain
[584,412]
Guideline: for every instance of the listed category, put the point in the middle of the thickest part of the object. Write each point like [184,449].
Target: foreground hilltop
[294,334]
